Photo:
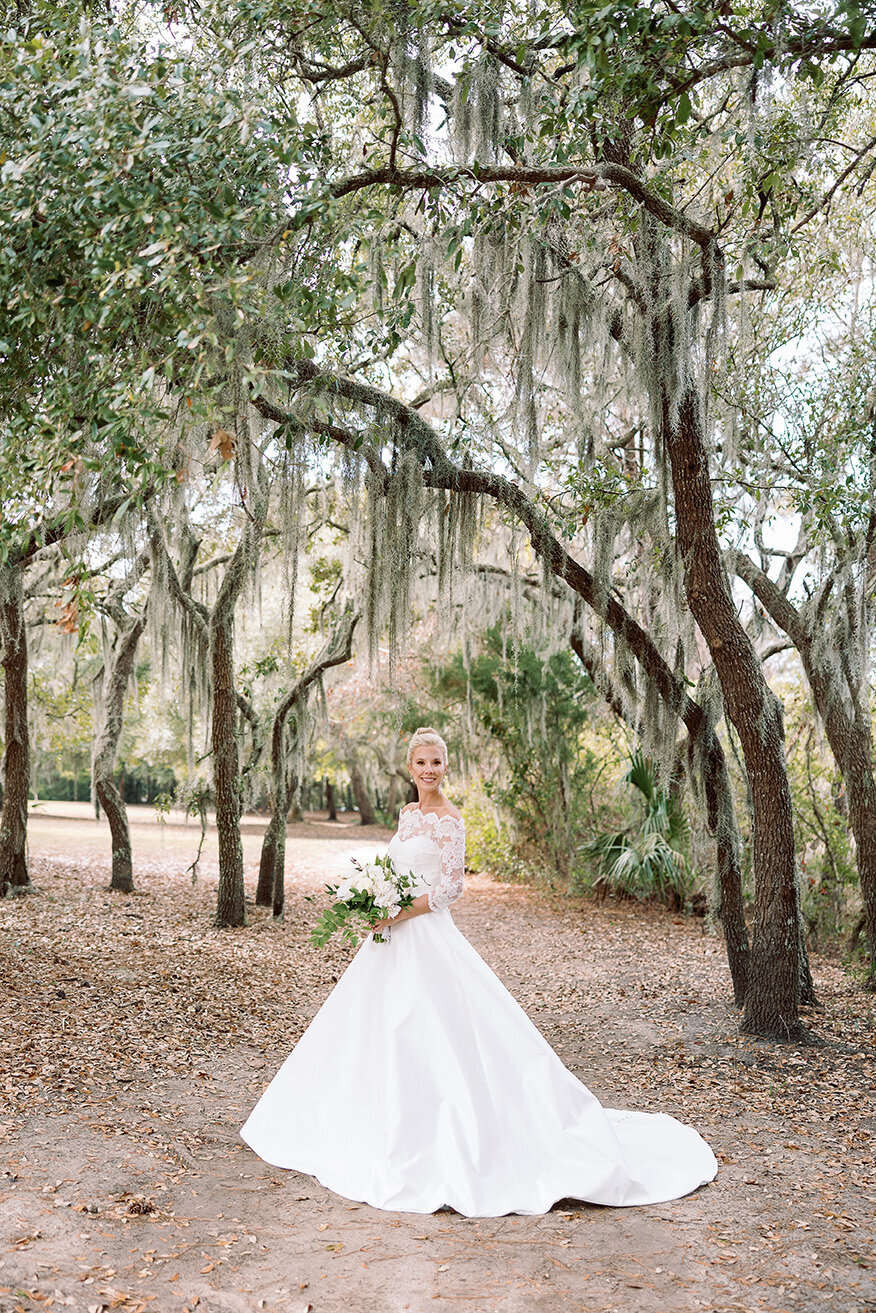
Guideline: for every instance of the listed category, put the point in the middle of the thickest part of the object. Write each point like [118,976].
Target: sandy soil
[136,1038]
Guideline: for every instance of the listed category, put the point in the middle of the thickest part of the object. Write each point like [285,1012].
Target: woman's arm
[417,908]
[450,883]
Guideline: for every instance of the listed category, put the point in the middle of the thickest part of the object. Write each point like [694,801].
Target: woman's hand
[417,908]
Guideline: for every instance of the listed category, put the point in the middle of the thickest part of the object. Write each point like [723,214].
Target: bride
[421,1083]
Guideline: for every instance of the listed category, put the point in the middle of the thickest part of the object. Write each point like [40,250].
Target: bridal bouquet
[373,891]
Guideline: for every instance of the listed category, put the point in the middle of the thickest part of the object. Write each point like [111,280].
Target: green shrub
[649,862]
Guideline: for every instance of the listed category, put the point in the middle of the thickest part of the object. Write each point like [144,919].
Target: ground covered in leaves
[136,1037]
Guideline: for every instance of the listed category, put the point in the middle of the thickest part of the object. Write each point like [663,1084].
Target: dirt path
[136,1038]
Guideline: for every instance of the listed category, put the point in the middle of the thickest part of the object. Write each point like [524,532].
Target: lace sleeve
[451,845]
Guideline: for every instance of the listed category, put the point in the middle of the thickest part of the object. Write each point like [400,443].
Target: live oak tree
[544,123]
[64,518]
[108,592]
[16,757]
[557,198]
[116,210]
[835,668]
[820,463]
[112,684]
[288,732]
[125,286]
[207,647]
[438,471]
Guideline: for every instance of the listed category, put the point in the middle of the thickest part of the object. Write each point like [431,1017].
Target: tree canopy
[549,318]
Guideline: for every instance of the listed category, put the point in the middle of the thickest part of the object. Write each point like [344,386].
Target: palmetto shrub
[647,861]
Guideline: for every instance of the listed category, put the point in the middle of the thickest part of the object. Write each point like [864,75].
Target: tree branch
[594,176]
[781,645]
[828,196]
[47,535]
[336,652]
[196,610]
[782,611]
[836,43]
[111,604]
[439,471]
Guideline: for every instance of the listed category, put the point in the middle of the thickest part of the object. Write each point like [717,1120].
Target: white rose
[384,892]
[364,880]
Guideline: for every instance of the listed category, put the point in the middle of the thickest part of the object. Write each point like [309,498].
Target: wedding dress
[421,1083]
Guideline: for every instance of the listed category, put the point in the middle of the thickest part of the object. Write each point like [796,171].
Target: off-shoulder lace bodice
[446,834]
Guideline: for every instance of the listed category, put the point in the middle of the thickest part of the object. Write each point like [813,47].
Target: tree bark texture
[721,820]
[773,996]
[268,860]
[227,784]
[216,632]
[226,772]
[847,727]
[16,759]
[360,792]
[330,803]
[272,864]
[109,796]
[857,771]
[271,889]
[281,812]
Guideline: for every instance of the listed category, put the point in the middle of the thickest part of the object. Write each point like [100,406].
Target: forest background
[510,369]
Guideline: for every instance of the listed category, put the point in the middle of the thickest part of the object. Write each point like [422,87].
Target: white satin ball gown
[420,1083]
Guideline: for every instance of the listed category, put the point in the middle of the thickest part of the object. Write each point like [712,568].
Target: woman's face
[428,766]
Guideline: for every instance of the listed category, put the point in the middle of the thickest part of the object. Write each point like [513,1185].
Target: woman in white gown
[420,1083]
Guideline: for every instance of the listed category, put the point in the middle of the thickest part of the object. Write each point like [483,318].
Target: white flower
[384,891]
[364,880]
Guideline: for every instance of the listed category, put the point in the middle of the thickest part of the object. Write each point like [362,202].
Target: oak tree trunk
[282,812]
[122,875]
[360,792]
[330,801]
[267,862]
[109,796]
[226,773]
[721,820]
[851,742]
[16,759]
[861,789]
[272,864]
[294,812]
[773,994]
[847,727]
[852,746]
[271,888]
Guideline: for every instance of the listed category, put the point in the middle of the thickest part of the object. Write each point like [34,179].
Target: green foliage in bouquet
[372,892]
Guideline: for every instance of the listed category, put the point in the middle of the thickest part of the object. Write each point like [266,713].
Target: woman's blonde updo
[423,737]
